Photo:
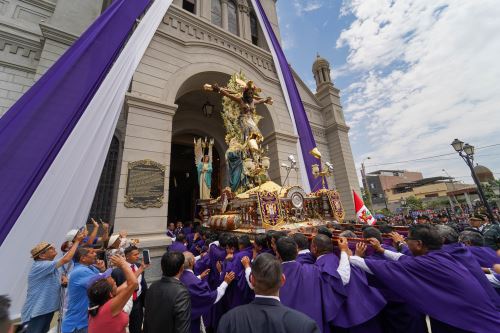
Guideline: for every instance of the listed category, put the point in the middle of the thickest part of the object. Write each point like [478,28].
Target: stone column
[225,22]
[244,20]
[148,136]
[205,10]
[70,19]
[178,3]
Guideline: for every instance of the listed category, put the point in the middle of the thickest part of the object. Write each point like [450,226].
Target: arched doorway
[189,122]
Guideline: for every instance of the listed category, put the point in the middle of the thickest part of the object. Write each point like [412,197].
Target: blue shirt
[44,290]
[76,316]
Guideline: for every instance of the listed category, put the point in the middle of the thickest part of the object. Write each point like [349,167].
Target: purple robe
[306,258]
[462,254]
[215,254]
[238,292]
[397,316]
[201,265]
[170,234]
[363,302]
[202,298]
[178,247]
[485,256]
[302,291]
[440,286]
[198,243]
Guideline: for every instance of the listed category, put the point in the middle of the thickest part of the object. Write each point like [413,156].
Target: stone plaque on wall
[145,184]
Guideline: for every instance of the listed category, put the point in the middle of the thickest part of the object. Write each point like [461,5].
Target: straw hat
[39,249]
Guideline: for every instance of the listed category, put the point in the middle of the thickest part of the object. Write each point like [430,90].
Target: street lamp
[466,152]
[365,183]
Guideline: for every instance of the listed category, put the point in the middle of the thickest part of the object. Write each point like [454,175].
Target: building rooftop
[424,181]
[378,172]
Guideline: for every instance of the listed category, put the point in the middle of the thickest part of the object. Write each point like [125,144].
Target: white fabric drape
[64,196]
[302,165]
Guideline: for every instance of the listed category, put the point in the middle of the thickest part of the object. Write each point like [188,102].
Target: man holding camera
[139,295]
[44,285]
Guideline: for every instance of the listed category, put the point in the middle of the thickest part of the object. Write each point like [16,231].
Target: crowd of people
[433,275]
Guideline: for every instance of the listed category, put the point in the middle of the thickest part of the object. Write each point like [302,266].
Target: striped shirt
[44,288]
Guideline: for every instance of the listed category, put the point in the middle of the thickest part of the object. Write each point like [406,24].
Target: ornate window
[217,13]
[103,198]
[254,28]
[189,5]
[232,17]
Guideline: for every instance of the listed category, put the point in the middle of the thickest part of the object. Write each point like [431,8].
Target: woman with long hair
[107,300]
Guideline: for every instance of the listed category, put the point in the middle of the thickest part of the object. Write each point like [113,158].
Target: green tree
[436,204]
[414,203]
[490,188]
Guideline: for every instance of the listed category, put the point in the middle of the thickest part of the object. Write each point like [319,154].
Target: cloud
[424,73]
[305,6]
[287,38]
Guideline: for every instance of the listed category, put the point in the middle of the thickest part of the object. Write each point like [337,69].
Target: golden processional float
[252,202]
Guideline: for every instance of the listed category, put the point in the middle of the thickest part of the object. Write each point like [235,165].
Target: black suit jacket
[266,315]
[168,307]
[119,277]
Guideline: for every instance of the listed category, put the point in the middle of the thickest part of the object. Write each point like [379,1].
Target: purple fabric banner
[306,138]
[35,128]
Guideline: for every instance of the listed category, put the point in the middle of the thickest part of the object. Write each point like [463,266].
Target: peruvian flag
[362,211]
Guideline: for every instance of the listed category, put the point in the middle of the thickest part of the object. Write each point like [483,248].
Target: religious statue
[247,98]
[203,164]
[245,156]
[235,164]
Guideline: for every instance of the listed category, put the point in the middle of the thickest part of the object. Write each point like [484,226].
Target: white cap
[71,235]
[113,239]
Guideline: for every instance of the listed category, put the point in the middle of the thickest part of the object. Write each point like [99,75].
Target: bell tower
[337,135]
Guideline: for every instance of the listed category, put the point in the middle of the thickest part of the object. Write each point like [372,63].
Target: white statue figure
[203,166]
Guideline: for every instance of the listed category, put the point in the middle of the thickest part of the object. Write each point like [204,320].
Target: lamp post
[365,183]
[326,172]
[466,152]
[402,201]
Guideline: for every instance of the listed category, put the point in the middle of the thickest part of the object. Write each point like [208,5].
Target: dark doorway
[183,183]
[103,198]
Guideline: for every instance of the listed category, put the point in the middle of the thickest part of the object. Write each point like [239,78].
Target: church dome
[321,71]
[320,62]
[483,173]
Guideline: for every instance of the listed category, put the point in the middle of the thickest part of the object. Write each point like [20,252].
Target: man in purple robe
[213,260]
[462,254]
[359,311]
[397,316]
[179,245]
[202,297]
[197,242]
[304,255]
[304,289]
[485,255]
[239,292]
[187,228]
[261,245]
[435,283]
[170,230]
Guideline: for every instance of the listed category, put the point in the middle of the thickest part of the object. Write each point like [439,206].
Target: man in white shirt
[137,313]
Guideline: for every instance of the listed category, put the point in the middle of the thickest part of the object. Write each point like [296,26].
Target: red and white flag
[362,211]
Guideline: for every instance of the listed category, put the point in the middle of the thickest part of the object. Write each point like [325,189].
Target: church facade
[198,42]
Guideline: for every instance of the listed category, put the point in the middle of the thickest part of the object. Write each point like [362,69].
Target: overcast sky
[413,76]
